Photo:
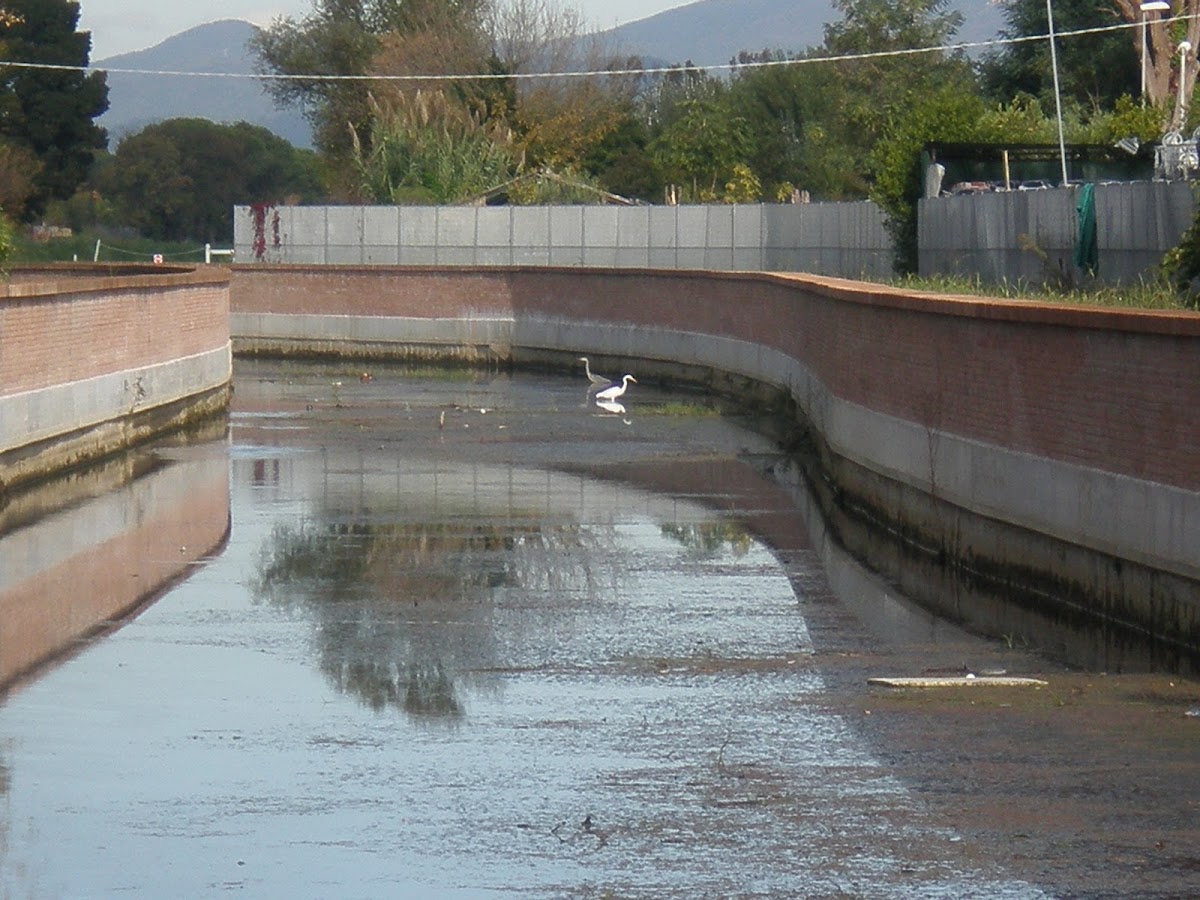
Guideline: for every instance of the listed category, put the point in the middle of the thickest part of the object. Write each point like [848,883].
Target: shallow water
[427,635]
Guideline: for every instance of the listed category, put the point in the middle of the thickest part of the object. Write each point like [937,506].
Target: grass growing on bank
[82,248]
[1143,295]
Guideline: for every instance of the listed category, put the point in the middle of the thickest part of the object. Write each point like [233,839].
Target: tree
[1162,47]
[880,79]
[701,147]
[19,169]
[1094,69]
[773,100]
[180,179]
[50,112]
[559,120]
[800,135]
[6,241]
[945,115]
[346,38]
[622,163]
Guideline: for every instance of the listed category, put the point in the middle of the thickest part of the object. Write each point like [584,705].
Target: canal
[400,633]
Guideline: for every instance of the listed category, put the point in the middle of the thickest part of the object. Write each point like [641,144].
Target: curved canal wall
[94,359]
[1048,452]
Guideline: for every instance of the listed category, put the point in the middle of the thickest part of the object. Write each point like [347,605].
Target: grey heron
[598,381]
[612,393]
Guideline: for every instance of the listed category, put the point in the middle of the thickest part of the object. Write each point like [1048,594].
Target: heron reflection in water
[597,381]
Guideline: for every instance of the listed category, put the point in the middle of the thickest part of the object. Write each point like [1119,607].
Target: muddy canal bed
[476,636]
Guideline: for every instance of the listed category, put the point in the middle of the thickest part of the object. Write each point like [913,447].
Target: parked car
[971,187]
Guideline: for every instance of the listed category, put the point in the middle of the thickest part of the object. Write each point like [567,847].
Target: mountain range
[707,33]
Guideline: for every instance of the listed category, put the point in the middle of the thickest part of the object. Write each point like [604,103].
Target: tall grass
[1146,294]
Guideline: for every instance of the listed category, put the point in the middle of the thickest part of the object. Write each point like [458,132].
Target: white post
[208,254]
[1180,104]
[1062,144]
[96,255]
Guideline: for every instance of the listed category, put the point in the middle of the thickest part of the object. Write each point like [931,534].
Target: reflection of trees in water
[708,539]
[404,610]
[420,690]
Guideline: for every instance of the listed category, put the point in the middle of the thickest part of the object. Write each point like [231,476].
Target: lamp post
[1149,6]
[1062,144]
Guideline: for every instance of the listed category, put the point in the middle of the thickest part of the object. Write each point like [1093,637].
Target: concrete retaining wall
[846,239]
[1035,444]
[1015,236]
[1030,236]
[90,365]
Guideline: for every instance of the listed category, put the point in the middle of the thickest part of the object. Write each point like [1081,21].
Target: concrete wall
[1017,236]
[1049,445]
[1030,236]
[89,365]
[845,239]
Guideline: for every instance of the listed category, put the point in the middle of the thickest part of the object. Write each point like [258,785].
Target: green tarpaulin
[1087,253]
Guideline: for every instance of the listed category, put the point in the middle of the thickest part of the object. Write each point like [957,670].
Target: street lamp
[1149,6]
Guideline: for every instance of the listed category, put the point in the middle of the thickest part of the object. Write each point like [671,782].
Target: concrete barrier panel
[381,226]
[418,228]
[692,224]
[344,226]
[344,254]
[456,227]
[501,256]
[662,223]
[633,232]
[557,256]
[566,227]
[600,232]
[748,229]
[495,227]
[718,228]
[418,256]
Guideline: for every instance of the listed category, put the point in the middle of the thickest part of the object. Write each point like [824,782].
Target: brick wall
[59,331]
[1108,389]
[1048,452]
[94,359]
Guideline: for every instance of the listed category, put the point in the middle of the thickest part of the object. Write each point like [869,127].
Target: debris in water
[957,681]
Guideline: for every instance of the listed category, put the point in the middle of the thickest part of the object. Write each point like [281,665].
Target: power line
[659,70]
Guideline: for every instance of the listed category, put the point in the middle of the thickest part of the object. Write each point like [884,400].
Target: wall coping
[55,279]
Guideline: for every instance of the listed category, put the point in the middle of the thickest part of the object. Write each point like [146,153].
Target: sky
[120,26]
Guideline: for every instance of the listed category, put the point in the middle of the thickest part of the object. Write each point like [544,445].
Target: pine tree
[51,112]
